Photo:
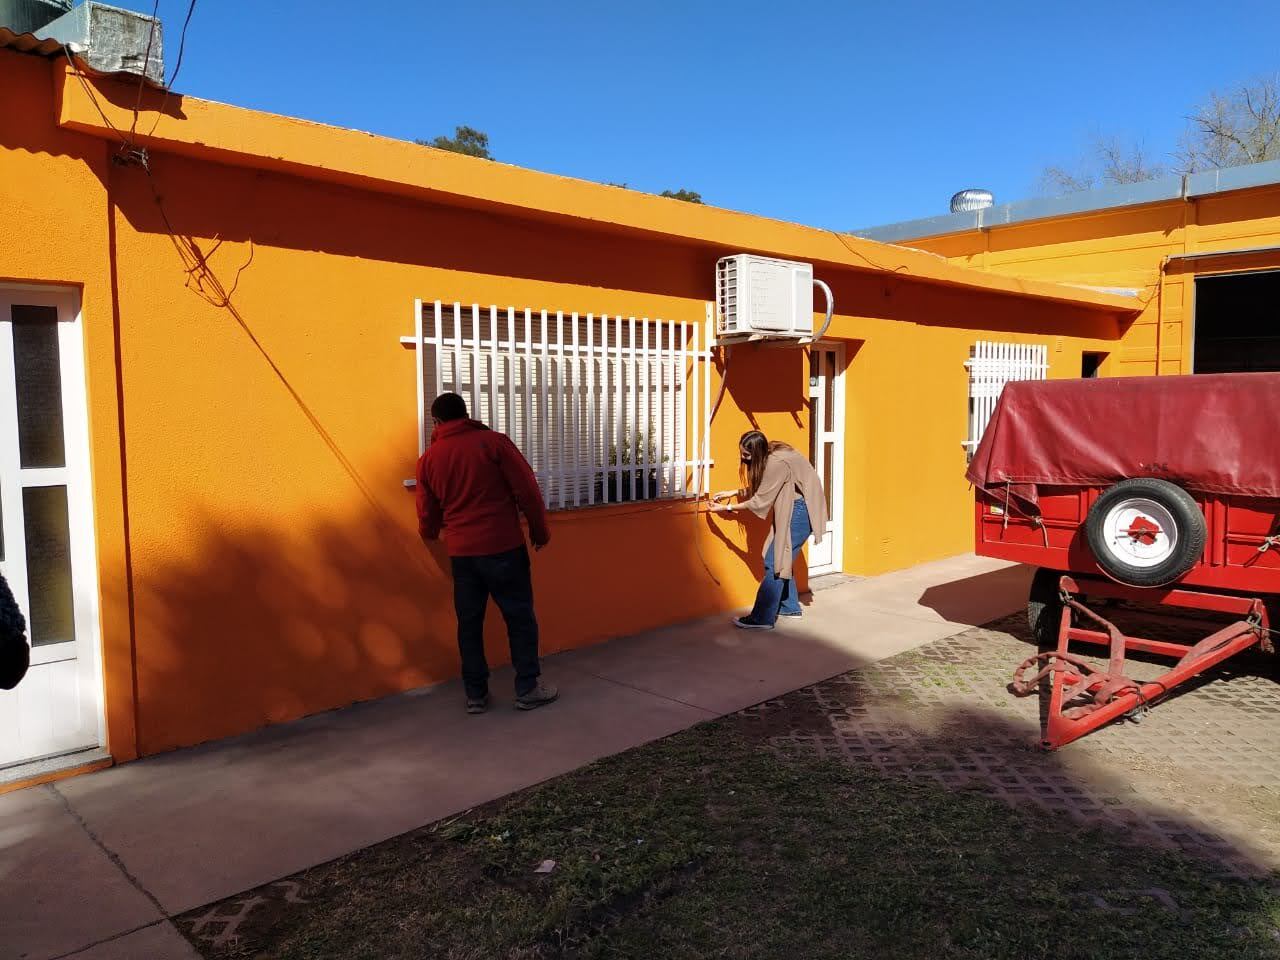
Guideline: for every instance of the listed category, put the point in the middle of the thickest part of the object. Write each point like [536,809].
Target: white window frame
[569,387]
[991,365]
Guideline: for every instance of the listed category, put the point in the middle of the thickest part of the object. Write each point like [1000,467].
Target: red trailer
[1163,490]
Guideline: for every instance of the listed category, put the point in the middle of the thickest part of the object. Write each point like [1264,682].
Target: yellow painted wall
[907,409]
[1127,247]
[259,552]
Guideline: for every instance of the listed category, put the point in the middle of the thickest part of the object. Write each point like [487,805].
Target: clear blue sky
[835,114]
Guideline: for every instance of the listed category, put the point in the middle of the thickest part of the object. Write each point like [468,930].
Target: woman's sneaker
[478,704]
[539,696]
[746,623]
[791,613]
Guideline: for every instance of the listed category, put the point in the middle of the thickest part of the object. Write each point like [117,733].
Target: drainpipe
[1164,262]
[1164,265]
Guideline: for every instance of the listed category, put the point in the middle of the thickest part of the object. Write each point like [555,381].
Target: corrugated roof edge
[28,43]
[1087,201]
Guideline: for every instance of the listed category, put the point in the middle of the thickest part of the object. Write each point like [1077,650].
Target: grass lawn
[712,844]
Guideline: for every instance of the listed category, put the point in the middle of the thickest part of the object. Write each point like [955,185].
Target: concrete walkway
[93,867]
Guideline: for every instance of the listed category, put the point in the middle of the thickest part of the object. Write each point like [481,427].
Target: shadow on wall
[764,380]
[264,624]
[294,614]
[125,94]
[756,533]
[891,296]
[27,117]
[277,210]
[208,200]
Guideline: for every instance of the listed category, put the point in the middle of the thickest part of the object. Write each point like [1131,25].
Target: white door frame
[829,556]
[86,728]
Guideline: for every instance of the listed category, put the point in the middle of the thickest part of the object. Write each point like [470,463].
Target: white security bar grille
[991,366]
[607,409]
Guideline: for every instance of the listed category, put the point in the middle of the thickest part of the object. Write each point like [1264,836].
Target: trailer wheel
[1044,609]
[1145,532]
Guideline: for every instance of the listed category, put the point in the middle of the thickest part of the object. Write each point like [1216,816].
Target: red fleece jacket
[474,483]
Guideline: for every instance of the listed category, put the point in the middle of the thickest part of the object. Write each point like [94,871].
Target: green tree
[689,196]
[466,140]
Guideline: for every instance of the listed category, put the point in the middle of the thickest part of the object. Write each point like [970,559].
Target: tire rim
[1139,532]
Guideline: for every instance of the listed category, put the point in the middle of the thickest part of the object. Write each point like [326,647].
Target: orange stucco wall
[54,228]
[258,550]
[1127,247]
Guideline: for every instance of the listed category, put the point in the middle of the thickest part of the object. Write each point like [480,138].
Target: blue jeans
[777,595]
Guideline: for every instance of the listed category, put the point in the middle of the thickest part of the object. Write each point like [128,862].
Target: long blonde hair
[754,448]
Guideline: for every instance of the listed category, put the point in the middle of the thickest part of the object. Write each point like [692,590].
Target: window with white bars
[606,408]
[992,365]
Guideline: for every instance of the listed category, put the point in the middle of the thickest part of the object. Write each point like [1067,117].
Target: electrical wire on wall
[177,68]
[203,280]
[146,65]
[702,504]
[900,268]
[205,283]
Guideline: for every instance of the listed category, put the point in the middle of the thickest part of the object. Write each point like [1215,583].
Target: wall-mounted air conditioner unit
[759,298]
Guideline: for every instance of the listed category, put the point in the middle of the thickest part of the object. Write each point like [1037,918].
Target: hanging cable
[900,268]
[203,281]
[209,287]
[142,80]
[182,49]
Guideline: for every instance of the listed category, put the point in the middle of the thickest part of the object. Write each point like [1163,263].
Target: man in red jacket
[474,483]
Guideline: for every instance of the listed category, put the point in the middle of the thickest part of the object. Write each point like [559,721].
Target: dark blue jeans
[506,578]
[777,595]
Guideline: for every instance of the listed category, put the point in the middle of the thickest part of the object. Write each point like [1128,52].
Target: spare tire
[1145,532]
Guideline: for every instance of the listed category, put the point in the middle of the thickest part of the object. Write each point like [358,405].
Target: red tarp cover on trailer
[1213,434]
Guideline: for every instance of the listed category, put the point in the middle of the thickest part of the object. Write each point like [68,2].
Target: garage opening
[1237,323]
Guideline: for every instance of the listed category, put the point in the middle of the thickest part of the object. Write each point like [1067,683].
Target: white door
[46,526]
[826,448]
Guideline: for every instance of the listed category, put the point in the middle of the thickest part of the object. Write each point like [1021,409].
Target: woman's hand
[721,508]
[723,495]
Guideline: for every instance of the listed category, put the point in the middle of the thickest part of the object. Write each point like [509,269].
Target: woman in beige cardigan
[778,479]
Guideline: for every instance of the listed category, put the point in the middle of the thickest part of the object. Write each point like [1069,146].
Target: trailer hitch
[1084,697]
[1101,687]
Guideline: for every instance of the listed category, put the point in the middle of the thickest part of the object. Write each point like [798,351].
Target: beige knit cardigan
[788,474]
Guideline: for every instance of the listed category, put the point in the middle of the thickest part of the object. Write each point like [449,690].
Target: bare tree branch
[1056,181]
[1230,130]
[1110,162]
